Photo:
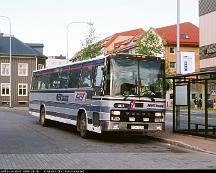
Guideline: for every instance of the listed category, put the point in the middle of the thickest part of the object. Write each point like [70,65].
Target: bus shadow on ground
[142,140]
[114,137]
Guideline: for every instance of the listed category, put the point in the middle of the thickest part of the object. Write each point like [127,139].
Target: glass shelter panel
[198,116]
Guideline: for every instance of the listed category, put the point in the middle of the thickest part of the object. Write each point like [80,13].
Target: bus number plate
[137,127]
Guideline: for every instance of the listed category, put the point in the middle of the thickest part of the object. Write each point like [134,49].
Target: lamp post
[10,60]
[176,125]
[89,23]
[178,58]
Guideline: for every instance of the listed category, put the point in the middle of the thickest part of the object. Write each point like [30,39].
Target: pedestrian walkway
[203,144]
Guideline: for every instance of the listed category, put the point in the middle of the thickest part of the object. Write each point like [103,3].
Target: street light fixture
[88,23]
[10,60]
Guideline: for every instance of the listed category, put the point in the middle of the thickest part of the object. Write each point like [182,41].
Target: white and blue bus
[118,92]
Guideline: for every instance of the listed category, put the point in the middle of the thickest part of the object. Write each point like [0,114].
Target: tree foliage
[150,44]
[90,49]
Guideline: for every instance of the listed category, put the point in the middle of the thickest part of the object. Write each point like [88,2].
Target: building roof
[128,44]
[189,34]
[18,48]
[133,33]
[35,44]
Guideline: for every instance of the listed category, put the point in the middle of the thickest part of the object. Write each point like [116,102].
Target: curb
[14,109]
[180,144]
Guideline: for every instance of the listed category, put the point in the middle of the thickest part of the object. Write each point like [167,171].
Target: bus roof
[138,56]
[77,62]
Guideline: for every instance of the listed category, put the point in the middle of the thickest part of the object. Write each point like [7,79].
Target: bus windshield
[141,78]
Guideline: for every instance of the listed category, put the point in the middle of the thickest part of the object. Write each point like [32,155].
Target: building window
[22,89]
[5,89]
[185,36]
[5,69]
[171,96]
[172,64]
[171,50]
[131,51]
[22,69]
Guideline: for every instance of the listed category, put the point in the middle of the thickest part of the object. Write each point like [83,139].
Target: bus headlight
[158,114]
[158,120]
[115,118]
[159,117]
[131,118]
[146,119]
[115,113]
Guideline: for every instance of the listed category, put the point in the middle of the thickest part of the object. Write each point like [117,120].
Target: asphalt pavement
[198,143]
[26,144]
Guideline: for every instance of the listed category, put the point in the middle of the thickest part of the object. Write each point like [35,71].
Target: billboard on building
[187,62]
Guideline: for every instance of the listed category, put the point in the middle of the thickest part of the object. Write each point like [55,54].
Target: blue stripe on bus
[73,106]
[89,92]
[61,115]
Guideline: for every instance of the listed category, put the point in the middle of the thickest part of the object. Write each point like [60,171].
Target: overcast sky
[45,21]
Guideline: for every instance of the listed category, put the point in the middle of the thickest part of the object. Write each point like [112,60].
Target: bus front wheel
[84,133]
[43,120]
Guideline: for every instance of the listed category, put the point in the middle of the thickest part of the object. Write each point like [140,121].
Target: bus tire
[84,133]
[43,120]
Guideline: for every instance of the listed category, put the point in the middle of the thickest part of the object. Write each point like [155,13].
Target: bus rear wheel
[43,120]
[84,133]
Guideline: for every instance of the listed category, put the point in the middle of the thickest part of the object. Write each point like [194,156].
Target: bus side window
[64,79]
[85,79]
[34,85]
[99,75]
[74,76]
[43,82]
[54,81]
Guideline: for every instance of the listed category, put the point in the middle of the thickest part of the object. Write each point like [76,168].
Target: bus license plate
[137,127]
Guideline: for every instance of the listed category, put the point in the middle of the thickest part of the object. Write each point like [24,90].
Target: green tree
[150,44]
[169,82]
[90,48]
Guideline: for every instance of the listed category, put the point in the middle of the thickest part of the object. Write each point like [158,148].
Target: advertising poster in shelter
[187,62]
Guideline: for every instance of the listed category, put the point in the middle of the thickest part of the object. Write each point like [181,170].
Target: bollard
[196,128]
[213,131]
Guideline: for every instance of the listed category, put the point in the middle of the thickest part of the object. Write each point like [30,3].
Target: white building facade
[207,20]
[55,61]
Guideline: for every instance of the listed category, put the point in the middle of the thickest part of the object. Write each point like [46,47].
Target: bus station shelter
[194,103]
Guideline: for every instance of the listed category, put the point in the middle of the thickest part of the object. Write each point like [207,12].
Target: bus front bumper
[131,126]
